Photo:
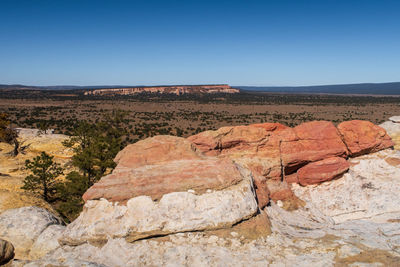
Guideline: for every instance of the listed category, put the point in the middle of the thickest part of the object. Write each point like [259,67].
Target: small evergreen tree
[43,177]
[95,147]
[7,134]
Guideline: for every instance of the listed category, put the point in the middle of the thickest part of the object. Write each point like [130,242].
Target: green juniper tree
[43,178]
[95,147]
[8,134]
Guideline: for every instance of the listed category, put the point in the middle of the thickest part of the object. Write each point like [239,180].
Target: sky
[149,42]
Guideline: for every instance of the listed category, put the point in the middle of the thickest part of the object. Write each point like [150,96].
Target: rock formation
[274,153]
[256,195]
[33,231]
[172,89]
[192,193]
[13,172]
[363,137]
[6,252]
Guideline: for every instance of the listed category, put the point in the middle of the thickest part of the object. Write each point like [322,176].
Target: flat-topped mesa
[170,89]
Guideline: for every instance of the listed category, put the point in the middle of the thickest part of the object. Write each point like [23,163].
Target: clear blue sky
[277,42]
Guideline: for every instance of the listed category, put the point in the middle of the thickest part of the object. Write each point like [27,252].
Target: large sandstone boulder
[179,190]
[155,150]
[24,226]
[6,251]
[363,137]
[321,171]
[392,128]
[368,189]
[161,165]
[256,147]
[314,141]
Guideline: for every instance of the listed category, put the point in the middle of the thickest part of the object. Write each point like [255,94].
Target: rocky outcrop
[351,221]
[322,171]
[192,202]
[256,147]
[392,127]
[13,171]
[161,165]
[162,185]
[274,152]
[313,141]
[363,137]
[173,89]
[27,227]
[6,252]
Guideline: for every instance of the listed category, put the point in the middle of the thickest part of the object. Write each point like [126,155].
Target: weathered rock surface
[6,251]
[395,119]
[168,164]
[61,262]
[314,141]
[393,130]
[321,171]
[350,221]
[368,189]
[47,241]
[255,147]
[363,137]
[23,226]
[13,171]
[155,150]
[175,212]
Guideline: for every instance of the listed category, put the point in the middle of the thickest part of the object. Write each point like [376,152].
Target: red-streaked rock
[155,150]
[255,147]
[161,165]
[292,178]
[280,190]
[363,137]
[314,141]
[160,179]
[323,170]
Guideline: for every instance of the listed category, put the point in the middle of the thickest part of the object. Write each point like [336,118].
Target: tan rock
[323,170]
[13,200]
[6,252]
[23,226]
[363,137]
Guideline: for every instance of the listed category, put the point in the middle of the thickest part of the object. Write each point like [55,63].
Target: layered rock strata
[276,154]
[162,185]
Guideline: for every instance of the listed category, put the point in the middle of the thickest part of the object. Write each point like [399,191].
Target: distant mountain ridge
[392,88]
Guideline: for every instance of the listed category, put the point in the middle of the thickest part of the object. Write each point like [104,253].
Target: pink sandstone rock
[255,147]
[363,137]
[292,178]
[323,170]
[161,165]
[314,141]
[155,150]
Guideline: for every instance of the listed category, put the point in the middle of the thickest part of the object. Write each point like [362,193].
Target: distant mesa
[171,89]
